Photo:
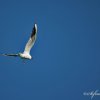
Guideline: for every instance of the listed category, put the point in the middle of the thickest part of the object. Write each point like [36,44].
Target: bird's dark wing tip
[33,31]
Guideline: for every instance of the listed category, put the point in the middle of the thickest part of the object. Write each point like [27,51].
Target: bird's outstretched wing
[31,40]
[14,55]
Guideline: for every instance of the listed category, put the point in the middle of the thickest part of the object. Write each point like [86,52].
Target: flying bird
[29,45]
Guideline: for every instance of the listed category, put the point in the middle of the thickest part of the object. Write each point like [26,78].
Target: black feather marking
[33,32]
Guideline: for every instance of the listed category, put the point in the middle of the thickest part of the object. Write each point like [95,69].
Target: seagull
[29,45]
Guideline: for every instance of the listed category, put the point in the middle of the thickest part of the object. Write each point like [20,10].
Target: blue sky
[66,55]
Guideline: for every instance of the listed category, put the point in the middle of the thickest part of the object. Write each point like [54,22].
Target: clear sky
[66,55]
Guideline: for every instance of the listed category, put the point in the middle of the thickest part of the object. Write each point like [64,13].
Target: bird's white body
[25,55]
